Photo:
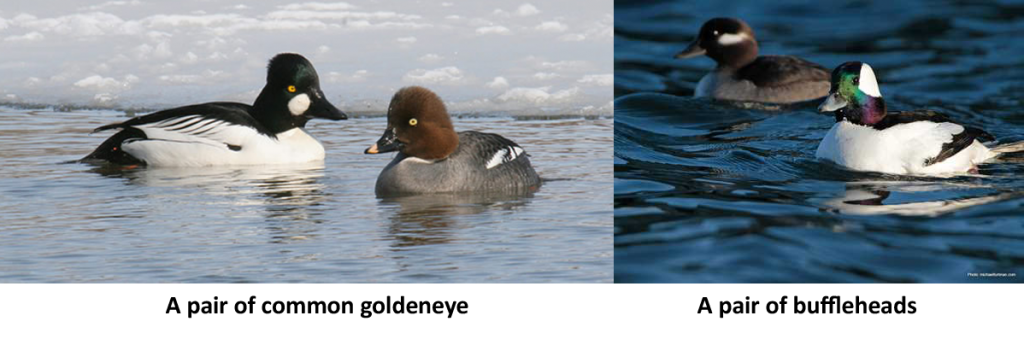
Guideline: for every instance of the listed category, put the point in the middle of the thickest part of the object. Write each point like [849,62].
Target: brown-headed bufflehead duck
[742,75]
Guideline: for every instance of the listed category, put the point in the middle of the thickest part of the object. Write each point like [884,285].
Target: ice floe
[479,56]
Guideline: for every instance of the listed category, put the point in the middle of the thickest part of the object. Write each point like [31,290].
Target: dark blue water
[711,191]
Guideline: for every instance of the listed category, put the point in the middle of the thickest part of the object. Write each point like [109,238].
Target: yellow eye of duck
[413,122]
[291,88]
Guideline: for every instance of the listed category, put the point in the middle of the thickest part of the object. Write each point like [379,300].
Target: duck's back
[782,70]
[769,78]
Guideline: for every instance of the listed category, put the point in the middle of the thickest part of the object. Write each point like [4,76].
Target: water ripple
[709,191]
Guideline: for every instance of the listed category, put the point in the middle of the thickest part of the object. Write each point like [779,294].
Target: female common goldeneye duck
[867,138]
[271,131]
[742,75]
[433,158]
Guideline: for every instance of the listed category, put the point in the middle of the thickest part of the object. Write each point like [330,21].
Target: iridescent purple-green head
[854,95]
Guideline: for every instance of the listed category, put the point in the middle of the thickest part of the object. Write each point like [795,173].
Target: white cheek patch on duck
[868,84]
[505,155]
[731,39]
[299,104]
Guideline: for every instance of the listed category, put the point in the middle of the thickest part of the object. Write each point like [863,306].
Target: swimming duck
[433,158]
[742,75]
[866,137]
[271,131]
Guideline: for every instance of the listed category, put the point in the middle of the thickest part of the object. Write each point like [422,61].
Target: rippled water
[308,223]
[725,192]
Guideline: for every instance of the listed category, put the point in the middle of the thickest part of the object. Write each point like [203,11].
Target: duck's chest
[862,148]
[292,146]
[707,85]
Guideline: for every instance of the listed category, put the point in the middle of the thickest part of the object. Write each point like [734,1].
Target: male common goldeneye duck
[433,158]
[741,75]
[271,131]
[867,138]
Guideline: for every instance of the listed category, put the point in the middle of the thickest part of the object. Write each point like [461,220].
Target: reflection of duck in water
[429,218]
[871,198]
[281,193]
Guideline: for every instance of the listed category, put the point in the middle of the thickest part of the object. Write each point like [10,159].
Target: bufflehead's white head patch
[732,39]
[868,84]
[299,104]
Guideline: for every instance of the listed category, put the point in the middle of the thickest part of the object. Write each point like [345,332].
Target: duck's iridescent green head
[854,95]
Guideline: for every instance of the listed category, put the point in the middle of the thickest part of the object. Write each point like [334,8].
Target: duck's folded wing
[494,149]
[959,142]
[934,136]
[781,70]
[223,125]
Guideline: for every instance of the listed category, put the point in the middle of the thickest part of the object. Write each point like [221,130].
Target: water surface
[304,223]
[711,191]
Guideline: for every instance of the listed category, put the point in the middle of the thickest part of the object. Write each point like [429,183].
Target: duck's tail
[110,150]
[1012,147]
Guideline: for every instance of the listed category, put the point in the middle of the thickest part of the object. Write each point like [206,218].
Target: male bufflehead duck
[867,138]
[271,131]
[433,158]
[741,75]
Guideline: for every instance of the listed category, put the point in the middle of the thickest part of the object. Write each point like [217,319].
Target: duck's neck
[735,56]
[443,142]
[867,110]
[269,113]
